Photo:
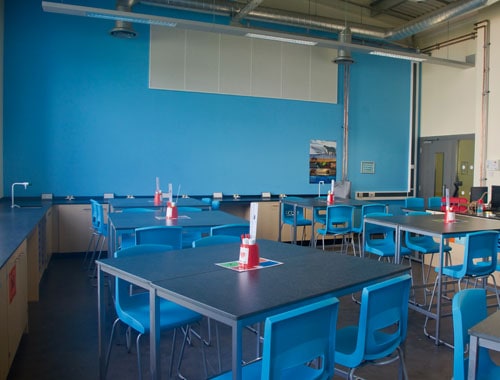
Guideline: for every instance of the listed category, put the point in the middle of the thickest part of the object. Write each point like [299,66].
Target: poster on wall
[322,161]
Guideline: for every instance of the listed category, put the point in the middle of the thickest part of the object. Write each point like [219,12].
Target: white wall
[452,98]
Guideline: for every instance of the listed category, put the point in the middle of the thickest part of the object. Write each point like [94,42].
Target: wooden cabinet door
[4,340]
[74,227]
[17,298]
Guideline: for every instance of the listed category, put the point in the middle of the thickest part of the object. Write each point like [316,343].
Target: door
[446,161]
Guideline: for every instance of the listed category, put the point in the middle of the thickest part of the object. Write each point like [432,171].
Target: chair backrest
[287,209]
[377,234]
[93,212]
[230,229]
[468,309]
[137,209]
[188,209]
[122,288]
[480,253]
[214,240]
[339,218]
[413,240]
[434,203]
[169,235]
[97,211]
[370,209]
[298,336]
[384,307]
[414,202]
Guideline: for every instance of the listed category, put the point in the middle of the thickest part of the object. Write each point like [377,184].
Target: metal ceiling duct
[124,29]
[344,55]
[230,8]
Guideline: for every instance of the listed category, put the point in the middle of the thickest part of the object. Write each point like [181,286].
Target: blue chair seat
[134,312]
[425,244]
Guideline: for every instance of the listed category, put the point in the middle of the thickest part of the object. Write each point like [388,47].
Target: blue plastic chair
[214,240]
[367,209]
[287,216]
[190,234]
[230,229]
[339,222]
[425,245]
[170,235]
[128,239]
[434,203]
[379,240]
[292,340]
[480,261]
[382,327]
[468,309]
[320,214]
[133,310]
[99,231]
[91,247]
[415,203]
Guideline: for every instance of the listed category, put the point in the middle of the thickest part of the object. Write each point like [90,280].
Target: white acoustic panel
[168,58]
[296,68]
[235,65]
[196,61]
[202,61]
[324,75]
[266,69]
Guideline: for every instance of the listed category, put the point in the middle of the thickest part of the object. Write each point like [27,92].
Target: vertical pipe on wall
[345,146]
[344,58]
[485,93]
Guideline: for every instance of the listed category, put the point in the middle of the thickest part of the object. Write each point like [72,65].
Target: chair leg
[138,348]
[108,353]
[89,247]
[403,374]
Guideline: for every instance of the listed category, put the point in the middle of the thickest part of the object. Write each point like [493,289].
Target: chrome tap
[25,184]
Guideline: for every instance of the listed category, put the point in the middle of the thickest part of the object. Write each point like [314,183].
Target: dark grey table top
[306,273]
[128,221]
[120,203]
[488,328]
[321,202]
[435,224]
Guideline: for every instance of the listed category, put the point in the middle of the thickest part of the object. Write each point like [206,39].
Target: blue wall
[79,119]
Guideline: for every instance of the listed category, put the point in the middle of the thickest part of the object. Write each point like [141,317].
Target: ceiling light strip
[149,21]
[397,56]
[106,14]
[281,39]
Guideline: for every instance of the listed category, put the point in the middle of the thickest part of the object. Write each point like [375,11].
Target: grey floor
[62,338]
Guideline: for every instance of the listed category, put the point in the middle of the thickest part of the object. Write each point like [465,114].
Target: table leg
[440,288]
[237,356]
[280,221]
[154,336]
[473,356]
[294,224]
[101,318]
[397,243]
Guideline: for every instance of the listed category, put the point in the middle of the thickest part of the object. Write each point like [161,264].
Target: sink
[29,205]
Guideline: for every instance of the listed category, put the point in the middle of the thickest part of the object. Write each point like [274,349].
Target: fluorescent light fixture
[281,39]
[398,56]
[107,14]
[131,19]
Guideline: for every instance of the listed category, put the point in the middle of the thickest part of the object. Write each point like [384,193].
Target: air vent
[123,29]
